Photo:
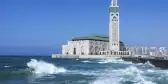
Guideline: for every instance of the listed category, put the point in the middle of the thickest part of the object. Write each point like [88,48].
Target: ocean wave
[131,75]
[135,75]
[86,72]
[86,61]
[158,75]
[7,66]
[42,67]
[120,61]
[147,64]
[8,74]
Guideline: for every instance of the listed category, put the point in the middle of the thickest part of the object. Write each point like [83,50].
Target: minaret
[114,38]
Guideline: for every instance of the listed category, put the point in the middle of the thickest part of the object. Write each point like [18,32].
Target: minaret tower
[114,38]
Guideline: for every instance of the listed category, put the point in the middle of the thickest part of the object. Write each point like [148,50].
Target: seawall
[56,56]
[161,62]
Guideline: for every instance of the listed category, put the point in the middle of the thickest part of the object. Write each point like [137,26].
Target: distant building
[100,44]
[89,45]
[152,51]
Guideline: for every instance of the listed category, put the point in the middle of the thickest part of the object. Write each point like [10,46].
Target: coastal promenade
[88,56]
[110,57]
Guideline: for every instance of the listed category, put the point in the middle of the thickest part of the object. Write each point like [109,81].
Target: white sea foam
[86,72]
[42,67]
[113,61]
[131,74]
[149,64]
[161,75]
[7,66]
[86,61]
[135,75]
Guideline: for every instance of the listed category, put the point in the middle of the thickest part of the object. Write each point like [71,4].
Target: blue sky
[40,27]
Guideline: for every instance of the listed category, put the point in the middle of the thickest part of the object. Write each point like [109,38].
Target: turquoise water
[44,70]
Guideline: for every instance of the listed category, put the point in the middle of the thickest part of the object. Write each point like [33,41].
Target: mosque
[100,44]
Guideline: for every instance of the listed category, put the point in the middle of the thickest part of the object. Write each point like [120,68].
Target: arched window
[96,53]
[121,53]
[103,49]
[91,50]
[127,53]
[74,51]
[96,50]
[114,53]
[82,50]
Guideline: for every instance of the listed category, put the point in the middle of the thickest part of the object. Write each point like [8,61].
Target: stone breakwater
[161,62]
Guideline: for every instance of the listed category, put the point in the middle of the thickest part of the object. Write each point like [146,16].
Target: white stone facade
[88,47]
[84,47]
[114,36]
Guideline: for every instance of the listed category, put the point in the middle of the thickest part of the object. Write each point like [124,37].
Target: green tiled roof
[93,37]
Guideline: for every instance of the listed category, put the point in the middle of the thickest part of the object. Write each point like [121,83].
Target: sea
[45,70]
